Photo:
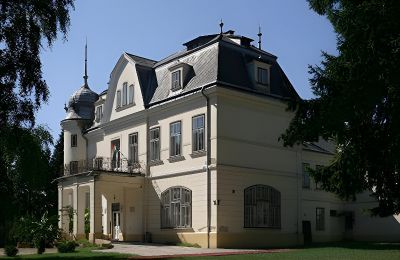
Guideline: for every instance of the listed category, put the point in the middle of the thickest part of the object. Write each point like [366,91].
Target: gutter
[208,129]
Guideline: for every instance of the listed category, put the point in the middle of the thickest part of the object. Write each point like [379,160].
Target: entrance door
[116,224]
[307,232]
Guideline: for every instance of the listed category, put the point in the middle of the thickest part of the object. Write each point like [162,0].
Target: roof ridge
[141,57]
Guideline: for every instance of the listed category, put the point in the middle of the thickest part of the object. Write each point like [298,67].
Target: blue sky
[157,28]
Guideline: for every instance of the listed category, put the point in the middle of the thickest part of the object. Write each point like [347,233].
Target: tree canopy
[25,170]
[357,102]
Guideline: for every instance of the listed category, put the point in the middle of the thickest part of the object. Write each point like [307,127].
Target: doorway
[116,224]
[307,232]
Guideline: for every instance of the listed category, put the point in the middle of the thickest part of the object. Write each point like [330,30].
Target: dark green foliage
[25,174]
[107,246]
[357,102]
[66,246]
[11,250]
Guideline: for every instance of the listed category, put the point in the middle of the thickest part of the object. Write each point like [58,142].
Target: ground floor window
[262,207]
[176,208]
[320,219]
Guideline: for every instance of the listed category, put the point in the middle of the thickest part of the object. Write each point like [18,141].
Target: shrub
[66,246]
[85,243]
[10,250]
[106,246]
[186,244]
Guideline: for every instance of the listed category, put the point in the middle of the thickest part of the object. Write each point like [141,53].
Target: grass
[340,251]
[80,253]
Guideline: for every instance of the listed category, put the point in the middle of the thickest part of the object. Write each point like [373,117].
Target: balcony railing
[103,164]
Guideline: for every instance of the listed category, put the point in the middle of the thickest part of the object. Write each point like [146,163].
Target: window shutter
[118,98]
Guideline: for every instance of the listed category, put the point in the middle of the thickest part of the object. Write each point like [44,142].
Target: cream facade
[187,149]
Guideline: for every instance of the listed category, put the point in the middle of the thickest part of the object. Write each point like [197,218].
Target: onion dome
[81,103]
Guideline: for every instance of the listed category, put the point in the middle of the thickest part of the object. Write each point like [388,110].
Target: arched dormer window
[262,207]
[176,208]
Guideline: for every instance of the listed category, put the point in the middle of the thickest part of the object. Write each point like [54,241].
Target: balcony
[103,164]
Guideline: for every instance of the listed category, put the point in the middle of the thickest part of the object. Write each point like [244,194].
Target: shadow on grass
[356,245]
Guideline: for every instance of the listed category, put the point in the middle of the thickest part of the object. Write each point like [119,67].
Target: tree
[357,102]
[25,175]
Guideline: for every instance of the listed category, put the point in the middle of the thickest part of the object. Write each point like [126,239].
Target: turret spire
[221,24]
[259,36]
[85,77]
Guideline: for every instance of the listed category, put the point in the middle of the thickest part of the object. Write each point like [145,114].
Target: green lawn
[340,251]
[80,253]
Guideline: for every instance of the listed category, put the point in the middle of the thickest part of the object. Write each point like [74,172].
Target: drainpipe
[208,150]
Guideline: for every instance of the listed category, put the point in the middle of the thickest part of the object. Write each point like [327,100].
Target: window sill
[176,158]
[196,154]
[155,162]
[125,107]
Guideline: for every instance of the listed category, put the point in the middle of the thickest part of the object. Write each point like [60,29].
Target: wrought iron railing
[103,164]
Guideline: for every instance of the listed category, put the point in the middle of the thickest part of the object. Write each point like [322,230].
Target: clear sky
[157,28]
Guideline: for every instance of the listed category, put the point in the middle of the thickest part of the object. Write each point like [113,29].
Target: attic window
[262,76]
[176,80]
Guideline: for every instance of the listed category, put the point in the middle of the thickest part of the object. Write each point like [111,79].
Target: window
[318,185]
[306,175]
[262,207]
[124,94]
[99,113]
[320,219]
[176,80]
[175,139]
[87,200]
[198,133]
[74,140]
[73,167]
[98,163]
[133,148]
[176,208]
[155,144]
[115,154]
[333,213]
[131,94]
[118,98]
[262,76]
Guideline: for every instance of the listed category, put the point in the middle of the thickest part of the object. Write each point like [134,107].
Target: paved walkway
[152,251]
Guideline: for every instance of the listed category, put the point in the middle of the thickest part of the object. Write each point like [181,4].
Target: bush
[11,250]
[106,246]
[186,244]
[85,243]
[66,246]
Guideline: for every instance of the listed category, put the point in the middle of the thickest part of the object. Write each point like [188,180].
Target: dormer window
[124,94]
[176,80]
[262,76]
[99,113]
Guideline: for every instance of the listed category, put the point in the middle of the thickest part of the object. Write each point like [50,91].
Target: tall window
[73,167]
[320,219]
[176,208]
[115,154]
[262,76]
[262,207]
[318,185]
[155,144]
[118,98]
[176,80]
[175,139]
[198,133]
[124,94]
[74,140]
[99,113]
[306,175]
[133,148]
[130,100]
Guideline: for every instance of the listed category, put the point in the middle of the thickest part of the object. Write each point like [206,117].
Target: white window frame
[124,94]
[306,184]
[155,144]
[262,207]
[99,113]
[176,208]
[134,148]
[176,81]
[175,144]
[118,98]
[131,91]
[198,138]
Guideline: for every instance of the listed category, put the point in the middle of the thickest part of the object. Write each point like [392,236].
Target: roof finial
[221,24]
[259,36]
[85,77]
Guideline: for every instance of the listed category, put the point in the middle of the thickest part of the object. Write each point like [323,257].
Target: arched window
[262,207]
[176,208]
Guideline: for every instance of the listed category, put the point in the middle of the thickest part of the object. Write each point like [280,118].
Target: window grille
[155,144]
[198,133]
[175,139]
[176,208]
